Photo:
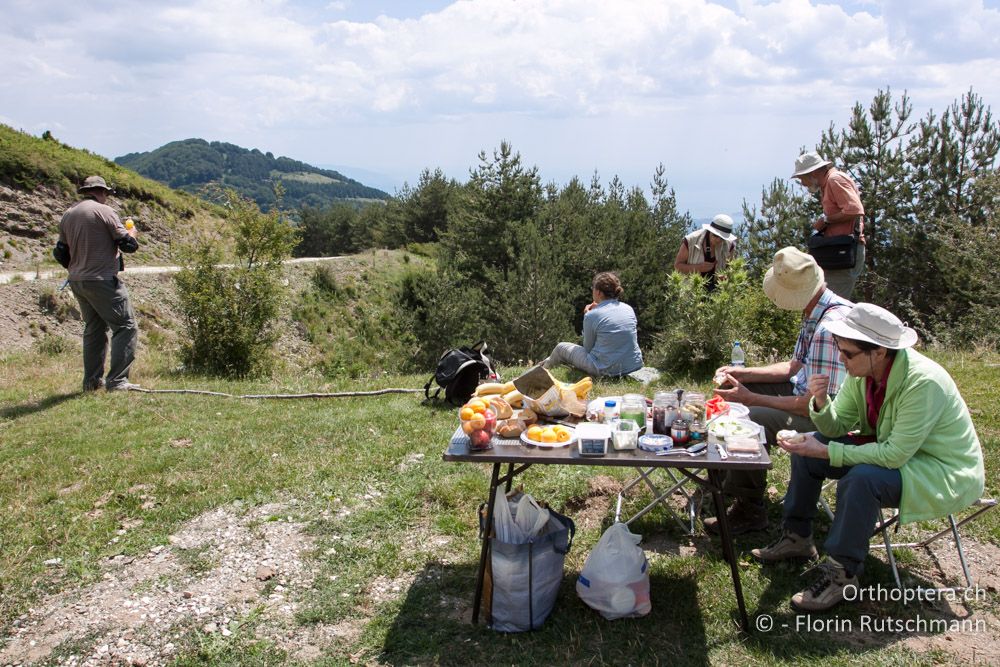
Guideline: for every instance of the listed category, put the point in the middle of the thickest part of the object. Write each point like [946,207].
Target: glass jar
[693,407]
[634,408]
[679,432]
[697,432]
[665,411]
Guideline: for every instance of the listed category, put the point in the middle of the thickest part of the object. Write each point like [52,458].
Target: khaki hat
[809,162]
[721,226]
[873,324]
[94,183]
[793,280]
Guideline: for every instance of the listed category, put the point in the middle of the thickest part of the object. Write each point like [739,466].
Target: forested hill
[193,164]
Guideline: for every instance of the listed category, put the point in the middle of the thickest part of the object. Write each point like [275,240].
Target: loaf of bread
[789,435]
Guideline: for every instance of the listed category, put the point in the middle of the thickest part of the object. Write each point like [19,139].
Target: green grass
[380,513]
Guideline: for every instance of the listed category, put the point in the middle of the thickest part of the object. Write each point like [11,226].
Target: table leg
[484,552]
[716,479]
[510,477]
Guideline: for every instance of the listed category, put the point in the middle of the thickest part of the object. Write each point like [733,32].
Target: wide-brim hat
[94,183]
[793,280]
[721,226]
[874,324]
[808,162]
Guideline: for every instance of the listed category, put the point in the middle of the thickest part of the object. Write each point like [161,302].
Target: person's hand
[722,371]
[805,444]
[817,388]
[133,232]
[588,307]
[820,223]
[705,267]
[736,393]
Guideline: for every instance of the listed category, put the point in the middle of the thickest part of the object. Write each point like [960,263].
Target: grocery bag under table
[615,578]
[528,546]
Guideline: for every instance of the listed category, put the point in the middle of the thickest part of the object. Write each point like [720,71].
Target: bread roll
[789,435]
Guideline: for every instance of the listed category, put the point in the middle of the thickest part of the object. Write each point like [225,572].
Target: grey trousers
[105,304]
[571,354]
[861,492]
[751,485]
[842,281]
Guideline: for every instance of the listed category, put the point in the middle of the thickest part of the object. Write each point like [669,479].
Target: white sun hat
[721,226]
[873,324]
[809,162]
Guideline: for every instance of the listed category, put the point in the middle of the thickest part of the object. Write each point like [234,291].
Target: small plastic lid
[610,403]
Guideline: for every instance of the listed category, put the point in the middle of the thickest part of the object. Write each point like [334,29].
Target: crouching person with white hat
[898,434]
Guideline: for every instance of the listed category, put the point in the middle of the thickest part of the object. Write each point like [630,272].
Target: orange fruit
[466,413]
[476,421]
[535,433]
[559,428]
[548,435]
[563,435]
[467,428]
[476,405]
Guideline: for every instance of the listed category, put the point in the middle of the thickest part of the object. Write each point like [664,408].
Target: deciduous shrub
[229,313]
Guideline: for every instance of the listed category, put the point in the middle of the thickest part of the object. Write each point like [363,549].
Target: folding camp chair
[981,505]
[676,484]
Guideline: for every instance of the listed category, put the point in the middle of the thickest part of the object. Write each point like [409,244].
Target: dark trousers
[105,305]
[751,485]
[861,493]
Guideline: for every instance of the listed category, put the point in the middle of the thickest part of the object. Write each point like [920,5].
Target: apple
[491,421]
[480,440]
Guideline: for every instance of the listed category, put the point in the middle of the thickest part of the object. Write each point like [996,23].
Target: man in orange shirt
[843,213]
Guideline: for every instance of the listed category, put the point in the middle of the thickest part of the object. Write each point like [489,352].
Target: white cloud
[269,73]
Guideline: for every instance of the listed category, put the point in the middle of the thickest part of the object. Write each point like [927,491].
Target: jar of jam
[679,432]
[665,412]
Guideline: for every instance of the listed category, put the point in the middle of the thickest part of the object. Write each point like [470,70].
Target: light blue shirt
[610,338]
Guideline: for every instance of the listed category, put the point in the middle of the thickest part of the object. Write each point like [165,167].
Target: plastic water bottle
[738,358]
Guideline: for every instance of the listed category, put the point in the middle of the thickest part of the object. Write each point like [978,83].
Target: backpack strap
[427,389]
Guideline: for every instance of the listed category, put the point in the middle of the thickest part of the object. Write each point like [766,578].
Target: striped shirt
[816,349]
[90,229]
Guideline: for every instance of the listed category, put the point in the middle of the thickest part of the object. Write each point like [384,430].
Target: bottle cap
[610,403]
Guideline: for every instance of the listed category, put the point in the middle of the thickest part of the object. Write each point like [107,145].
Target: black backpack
[459,371]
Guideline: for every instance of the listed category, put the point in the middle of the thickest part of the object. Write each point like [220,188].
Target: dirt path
[59,274]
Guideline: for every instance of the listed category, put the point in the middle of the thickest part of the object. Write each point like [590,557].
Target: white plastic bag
[520,524]
[615,578]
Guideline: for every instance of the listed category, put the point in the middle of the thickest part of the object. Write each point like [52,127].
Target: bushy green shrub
[360,324]
[229,312]
[701,326]
[52,345]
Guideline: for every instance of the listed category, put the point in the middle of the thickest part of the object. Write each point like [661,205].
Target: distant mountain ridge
[193,164]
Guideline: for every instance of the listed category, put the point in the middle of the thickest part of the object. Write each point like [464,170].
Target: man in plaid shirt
[776,394]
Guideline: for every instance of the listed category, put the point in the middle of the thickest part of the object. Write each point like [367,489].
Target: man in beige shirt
[91,238]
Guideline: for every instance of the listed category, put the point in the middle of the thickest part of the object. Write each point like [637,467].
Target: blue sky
[722,93]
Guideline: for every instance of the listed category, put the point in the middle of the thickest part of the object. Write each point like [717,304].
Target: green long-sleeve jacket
[924,430]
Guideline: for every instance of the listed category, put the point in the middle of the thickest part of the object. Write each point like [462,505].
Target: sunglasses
[849,355]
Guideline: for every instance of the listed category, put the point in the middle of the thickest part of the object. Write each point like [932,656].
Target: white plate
[549,445]
[725,427]
[738,410]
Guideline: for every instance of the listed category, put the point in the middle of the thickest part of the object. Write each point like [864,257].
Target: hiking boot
[789,546]
[743,517]
[827,591]
[93,385]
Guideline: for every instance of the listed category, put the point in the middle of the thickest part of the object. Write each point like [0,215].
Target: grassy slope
[62,452]
[165,216]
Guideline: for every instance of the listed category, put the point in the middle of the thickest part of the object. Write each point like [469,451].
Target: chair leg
[961,551]
[884,528]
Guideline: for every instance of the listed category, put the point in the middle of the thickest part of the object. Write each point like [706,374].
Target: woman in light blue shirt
[610,342]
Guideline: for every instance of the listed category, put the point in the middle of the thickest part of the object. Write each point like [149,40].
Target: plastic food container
[593,439]
[653,442]
[625,435]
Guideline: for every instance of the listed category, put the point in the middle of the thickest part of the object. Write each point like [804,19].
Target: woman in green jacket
[897,435]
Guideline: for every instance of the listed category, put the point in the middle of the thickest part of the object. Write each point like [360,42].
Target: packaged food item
[744,447]
[593,439]
[679,432]
[693,407]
